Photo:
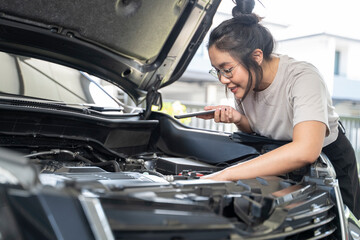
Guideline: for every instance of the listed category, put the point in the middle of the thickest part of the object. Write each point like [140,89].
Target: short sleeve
[309,98]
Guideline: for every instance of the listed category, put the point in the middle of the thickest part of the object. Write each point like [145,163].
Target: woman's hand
[223,114]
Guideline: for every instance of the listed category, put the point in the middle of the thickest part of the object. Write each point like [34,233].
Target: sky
[332,16]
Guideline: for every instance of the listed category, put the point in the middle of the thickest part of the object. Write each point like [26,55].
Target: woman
[280,98]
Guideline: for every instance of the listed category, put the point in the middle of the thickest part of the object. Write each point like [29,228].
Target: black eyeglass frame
[217,73]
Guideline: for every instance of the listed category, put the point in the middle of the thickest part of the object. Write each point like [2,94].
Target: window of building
[337,63]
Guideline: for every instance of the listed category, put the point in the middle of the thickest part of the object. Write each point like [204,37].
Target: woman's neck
[269,71]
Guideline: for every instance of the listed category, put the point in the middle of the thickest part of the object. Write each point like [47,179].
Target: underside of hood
[136,44]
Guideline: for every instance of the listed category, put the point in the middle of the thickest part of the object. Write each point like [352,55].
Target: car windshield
[30,77]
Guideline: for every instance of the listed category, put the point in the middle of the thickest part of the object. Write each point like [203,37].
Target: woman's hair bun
[243,7]
[247,19]
[243,12]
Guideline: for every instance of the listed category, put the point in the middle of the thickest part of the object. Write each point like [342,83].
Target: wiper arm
[104,109]
[52,79]
[14,99]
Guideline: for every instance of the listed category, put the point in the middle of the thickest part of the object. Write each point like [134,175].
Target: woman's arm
[308,138]
[227,114]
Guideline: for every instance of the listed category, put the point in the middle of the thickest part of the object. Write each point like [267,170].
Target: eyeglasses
[217,73]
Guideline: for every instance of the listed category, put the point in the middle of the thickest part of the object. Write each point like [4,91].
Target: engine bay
[152,169]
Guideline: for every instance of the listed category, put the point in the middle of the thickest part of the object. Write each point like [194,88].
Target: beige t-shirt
[297,94]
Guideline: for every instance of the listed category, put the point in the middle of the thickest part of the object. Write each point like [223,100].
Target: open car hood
[137,44]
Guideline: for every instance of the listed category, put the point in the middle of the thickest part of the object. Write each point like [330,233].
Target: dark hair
[240,36]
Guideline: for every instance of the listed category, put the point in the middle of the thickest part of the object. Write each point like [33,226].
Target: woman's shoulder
[297,74]
[292,66]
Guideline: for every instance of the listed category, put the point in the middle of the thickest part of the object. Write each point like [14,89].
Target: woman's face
[222,60]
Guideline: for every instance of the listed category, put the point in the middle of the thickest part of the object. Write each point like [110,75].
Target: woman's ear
[258,56]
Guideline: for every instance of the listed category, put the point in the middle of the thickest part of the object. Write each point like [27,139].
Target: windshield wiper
[16,97]
[51,79]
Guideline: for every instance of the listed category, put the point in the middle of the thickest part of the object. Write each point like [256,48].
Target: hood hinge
[153,97]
